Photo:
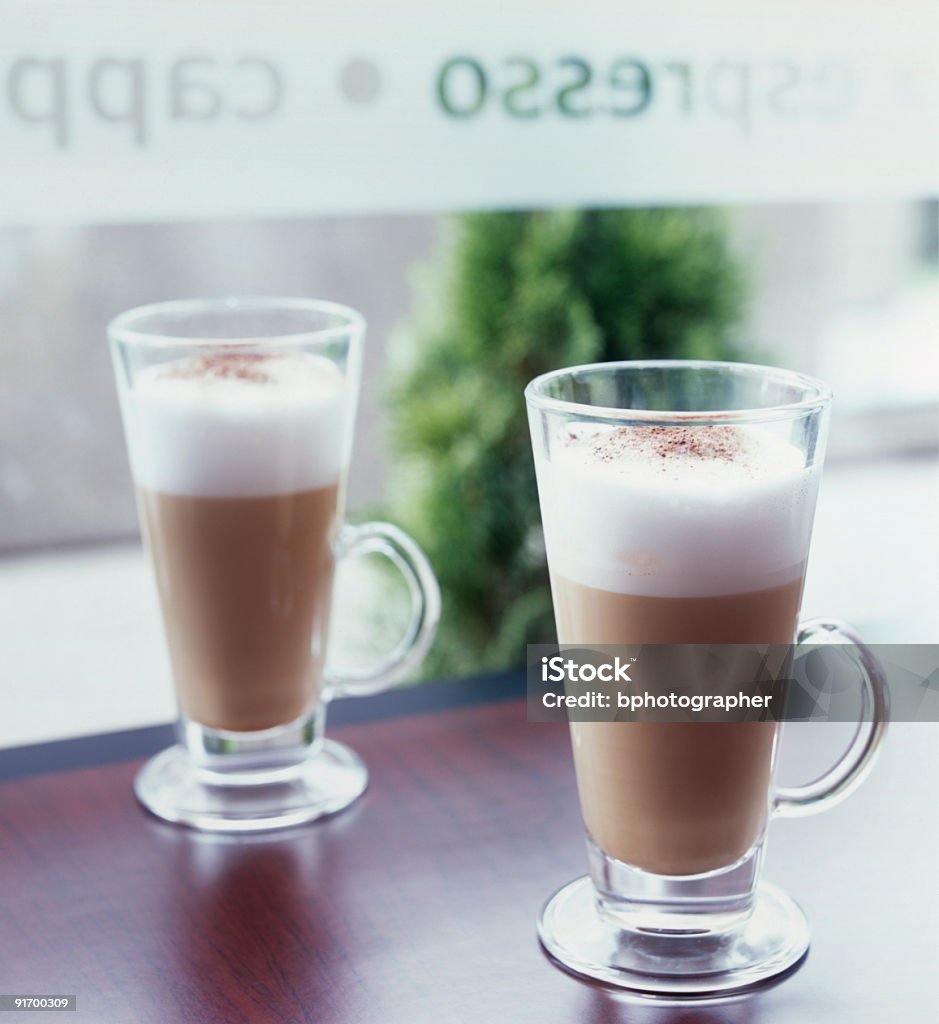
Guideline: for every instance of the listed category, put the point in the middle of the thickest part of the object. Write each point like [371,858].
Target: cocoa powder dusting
[246,366]
[715,443]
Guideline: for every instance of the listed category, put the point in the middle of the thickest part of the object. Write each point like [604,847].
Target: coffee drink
[694,534]
[238,460]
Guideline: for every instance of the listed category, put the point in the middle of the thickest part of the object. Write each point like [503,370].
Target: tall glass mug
[677,500]
[238,416]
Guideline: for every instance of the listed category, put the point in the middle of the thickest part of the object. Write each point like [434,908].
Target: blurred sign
[124,110]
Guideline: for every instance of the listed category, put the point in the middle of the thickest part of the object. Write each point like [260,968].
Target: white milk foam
[653,512]
[233,425]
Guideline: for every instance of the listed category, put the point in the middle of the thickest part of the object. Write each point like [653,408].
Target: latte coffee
[691,534]
[238,462]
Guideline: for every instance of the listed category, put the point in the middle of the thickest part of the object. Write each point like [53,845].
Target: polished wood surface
[419,904]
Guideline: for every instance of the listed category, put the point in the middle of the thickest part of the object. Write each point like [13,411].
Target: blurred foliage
[515,295]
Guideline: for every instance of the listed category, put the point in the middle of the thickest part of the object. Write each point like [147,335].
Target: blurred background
[845,291]
[200,171]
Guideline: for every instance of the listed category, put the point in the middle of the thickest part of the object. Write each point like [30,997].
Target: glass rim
[122,327]
[817,394]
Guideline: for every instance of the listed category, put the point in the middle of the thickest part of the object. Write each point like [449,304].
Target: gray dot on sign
[360,81]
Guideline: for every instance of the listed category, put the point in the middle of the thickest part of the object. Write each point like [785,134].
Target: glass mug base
[769,941]
[174,787]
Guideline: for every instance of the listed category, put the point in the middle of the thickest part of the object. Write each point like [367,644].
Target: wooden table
[419,904]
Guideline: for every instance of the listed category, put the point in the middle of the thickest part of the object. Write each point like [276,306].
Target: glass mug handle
[852,767]
[411,562]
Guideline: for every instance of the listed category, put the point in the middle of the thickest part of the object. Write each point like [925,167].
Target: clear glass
[238,415]
[677,501]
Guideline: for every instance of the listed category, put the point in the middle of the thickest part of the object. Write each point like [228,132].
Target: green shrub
[515,295]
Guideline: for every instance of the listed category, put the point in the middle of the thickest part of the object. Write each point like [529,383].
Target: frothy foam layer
[675,511]
[238,425]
